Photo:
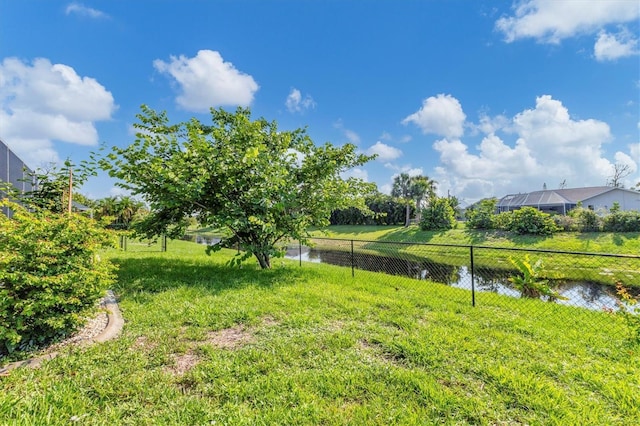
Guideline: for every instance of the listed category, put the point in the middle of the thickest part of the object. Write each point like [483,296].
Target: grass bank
[592,242]
[207,344]
[491,253]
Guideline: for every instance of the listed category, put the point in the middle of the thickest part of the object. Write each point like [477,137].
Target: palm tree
[412,189]
[422,187]
[122,208]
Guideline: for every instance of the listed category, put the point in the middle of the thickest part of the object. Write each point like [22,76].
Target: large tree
[412,190]
[264,185]
[620,171]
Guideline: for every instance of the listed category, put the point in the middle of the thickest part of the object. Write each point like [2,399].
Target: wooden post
[70,189]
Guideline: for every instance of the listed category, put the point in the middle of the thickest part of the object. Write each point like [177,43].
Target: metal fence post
[300,252]
[352,262]
[473,280]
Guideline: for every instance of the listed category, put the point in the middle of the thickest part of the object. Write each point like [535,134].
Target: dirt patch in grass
[142,343]
[373,352]
[230,338]
[183,363]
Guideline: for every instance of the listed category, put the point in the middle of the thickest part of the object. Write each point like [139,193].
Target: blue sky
[485,97]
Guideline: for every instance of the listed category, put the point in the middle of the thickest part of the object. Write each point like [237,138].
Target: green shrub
[503,221]
[50,275]
[619,221]
[629,311]
[529,220]
[587,220]
[565,223]
[482,215]
[440,215]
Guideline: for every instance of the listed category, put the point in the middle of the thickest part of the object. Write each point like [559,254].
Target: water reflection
[201,239]
[584,294]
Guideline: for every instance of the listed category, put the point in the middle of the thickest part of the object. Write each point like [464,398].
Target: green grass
[312,346]
[592,242]
[603,270]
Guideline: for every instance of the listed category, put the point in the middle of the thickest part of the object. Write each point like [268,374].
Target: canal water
[588,295]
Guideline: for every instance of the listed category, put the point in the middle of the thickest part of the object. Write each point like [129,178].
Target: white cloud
[45,102]
[610,47]
[411,171]
[386,136]
[549,147]
[386,188]
[206,81]
[296,103]
[490,125]
[414,171]
[441,115]
[550,21]
[624,158]
[351,136]
[82,10]
[634,150]
[384,152]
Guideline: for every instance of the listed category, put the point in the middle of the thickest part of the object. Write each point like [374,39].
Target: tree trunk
[407,219]
[263,260]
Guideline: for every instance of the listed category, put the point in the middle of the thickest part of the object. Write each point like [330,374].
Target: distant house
[563,200]
[14,171]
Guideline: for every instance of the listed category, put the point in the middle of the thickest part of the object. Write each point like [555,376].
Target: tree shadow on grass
[155,275]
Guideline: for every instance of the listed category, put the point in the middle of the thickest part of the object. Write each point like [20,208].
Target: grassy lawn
[207,344]
[592,242]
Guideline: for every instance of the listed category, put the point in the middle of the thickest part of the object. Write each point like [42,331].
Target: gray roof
[554,196]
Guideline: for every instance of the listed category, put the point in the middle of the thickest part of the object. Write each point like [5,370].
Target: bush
[565,223]
[50,275]
[482,215]
[529,220]
[440,215]
[503,220]
[619,221]
[587,220]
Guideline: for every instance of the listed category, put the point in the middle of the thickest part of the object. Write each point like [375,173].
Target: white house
[562,200]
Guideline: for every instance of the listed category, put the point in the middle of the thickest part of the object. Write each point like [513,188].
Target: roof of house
[555,196]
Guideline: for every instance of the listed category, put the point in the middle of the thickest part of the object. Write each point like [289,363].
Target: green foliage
[122,211]
[503,221]
[411,190]
[622,221]
[263,184]
[440,215]
[530,282]
[529,220]
[50,274]
[565,222]
[586,219]
[51,186]
[387,210]
[482,215]
[615,208]
[629,311]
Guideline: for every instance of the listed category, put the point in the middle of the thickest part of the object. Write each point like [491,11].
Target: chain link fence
[126,243]
[584,281]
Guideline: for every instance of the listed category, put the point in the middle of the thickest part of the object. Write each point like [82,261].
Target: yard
[204,343]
